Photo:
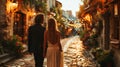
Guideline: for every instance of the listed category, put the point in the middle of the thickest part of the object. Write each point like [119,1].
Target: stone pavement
[77,56]
[74,56]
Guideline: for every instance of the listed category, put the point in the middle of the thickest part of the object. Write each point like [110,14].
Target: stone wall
[3,22]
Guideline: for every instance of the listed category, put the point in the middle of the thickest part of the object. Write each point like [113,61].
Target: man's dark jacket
[35,38]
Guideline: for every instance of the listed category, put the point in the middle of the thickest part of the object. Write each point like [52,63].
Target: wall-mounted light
[11,6]
[87,17]
[115,9]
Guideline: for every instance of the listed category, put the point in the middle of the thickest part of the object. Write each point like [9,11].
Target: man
[35,40]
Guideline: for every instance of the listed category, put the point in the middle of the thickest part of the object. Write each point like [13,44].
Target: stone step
[3,55]
[6,57]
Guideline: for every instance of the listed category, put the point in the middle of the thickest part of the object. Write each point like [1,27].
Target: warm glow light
[115,9]
[11,6]
[72,5]
[87,17]
[34,13]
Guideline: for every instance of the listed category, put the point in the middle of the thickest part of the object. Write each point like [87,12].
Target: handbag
[61,59]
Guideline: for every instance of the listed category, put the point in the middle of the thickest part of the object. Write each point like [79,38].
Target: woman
[52,39]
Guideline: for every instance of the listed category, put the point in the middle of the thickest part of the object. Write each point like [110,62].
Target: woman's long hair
[52,31]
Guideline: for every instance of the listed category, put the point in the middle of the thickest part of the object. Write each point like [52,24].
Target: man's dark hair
[39,18]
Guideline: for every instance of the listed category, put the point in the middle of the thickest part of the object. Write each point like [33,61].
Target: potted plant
[104,58]
[15,45]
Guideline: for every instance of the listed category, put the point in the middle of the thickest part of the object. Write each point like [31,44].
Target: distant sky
[71,5]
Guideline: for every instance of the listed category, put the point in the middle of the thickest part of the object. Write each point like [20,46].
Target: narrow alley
[74,56]
[90,31]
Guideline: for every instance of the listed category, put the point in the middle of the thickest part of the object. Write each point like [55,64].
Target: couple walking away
[45,42]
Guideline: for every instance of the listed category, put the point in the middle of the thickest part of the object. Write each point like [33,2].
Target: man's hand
[30,53]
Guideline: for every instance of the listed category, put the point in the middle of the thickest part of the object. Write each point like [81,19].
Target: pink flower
[17,43]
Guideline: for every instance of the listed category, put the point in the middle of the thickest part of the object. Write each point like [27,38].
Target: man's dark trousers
[38,59]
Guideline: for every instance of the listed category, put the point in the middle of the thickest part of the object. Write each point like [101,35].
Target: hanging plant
[28,2]
[40,6]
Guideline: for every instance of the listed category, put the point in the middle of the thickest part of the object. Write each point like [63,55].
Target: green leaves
[38,5]
[14,45]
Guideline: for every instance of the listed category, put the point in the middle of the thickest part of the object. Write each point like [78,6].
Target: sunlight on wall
[71,5]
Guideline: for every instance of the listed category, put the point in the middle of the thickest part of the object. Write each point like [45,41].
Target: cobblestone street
[74,56]
[89,30]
